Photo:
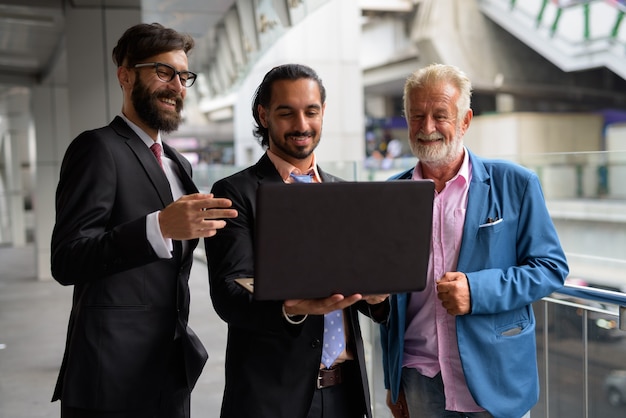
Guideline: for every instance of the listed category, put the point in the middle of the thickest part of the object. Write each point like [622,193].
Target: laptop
[314,240]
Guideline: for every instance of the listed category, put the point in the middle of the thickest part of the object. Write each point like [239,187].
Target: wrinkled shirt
[430,343]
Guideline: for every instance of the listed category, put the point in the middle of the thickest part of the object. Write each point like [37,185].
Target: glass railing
[566,175]
[581,349]
[581,353]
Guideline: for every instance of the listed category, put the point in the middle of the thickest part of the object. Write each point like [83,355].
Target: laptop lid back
[313,240]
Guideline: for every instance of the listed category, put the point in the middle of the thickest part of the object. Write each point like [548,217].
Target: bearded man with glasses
[128,217]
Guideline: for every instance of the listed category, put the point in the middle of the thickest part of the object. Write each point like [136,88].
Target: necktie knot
[301,178]
[156,150]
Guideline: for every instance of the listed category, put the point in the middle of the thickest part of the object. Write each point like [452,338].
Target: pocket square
[491,222]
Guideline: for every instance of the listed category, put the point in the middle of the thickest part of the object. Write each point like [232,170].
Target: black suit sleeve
[98,230]
[230,255]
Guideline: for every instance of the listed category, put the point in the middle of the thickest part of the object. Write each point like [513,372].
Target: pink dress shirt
[430,343]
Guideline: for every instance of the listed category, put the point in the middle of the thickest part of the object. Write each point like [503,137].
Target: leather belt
[329,377]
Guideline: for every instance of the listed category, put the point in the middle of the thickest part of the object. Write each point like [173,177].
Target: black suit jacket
[128,303]
[271,365]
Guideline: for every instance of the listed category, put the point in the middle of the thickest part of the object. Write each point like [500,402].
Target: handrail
[595,294]
[599,295]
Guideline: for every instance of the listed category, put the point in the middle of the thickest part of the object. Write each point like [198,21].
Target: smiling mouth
[170,102]
[299,138]
[429,139]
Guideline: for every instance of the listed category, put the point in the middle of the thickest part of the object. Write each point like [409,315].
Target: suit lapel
[477,208]
[146,160]
[184,169]
[151,166]
[265,170]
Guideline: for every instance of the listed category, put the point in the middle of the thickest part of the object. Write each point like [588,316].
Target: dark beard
[146,107]
[299,153]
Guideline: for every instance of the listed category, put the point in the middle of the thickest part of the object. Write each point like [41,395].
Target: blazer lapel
[478,198]
[265,170]
[184,169]
[146,159]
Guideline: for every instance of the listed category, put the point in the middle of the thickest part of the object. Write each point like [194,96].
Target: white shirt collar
[141,133]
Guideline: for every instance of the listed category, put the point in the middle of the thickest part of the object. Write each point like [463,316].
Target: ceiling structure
[32,31]
[32,34]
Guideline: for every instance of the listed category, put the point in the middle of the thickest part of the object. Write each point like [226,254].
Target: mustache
[300,133]
[429,137]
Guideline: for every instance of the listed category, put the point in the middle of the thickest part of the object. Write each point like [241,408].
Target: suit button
[315,343]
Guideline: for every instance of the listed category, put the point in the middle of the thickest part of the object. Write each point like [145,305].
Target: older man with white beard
[465,346]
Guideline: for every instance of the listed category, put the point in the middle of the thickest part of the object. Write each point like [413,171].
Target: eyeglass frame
[175,73]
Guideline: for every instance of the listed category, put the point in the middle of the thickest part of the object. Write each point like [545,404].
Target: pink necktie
[156,150]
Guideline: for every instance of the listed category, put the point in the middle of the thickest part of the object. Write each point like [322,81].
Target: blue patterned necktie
[301,178]
[334,337]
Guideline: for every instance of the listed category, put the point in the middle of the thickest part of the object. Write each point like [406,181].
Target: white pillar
[16,156]
[94,93]
[85,96]
[335,56]
[50,112]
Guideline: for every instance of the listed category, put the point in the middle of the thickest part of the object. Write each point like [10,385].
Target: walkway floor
[33,323]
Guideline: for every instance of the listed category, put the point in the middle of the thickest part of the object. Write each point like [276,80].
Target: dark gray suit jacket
[271,365]
[128,304]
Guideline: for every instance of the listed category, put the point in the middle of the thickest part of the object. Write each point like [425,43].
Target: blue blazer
[509,265]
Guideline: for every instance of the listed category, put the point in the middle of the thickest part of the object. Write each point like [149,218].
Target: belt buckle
[321,378]
[318,383]
[328,377]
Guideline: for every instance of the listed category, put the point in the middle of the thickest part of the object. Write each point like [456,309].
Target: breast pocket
[495,241]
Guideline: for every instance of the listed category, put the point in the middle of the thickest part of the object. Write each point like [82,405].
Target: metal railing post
[585,363]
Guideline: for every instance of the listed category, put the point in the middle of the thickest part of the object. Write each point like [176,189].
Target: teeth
[169,101]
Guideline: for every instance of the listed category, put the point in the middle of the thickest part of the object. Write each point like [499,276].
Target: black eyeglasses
[166,73]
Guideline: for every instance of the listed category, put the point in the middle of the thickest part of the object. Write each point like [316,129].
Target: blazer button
[315,343]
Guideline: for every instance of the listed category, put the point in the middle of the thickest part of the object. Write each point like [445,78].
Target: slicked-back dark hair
[146,40]
[263,94]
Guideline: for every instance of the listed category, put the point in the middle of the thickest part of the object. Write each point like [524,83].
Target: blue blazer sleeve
[510,263]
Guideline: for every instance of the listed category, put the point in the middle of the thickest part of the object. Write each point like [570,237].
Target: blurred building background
[548,79]
[548,75]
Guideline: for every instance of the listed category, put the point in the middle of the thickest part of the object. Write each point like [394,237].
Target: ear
[466,121]
[124,76]
[262,115]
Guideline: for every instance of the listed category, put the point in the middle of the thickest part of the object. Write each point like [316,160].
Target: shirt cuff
[163,247]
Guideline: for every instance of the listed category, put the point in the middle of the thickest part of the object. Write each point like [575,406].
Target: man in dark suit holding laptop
[276,362]
[127,221]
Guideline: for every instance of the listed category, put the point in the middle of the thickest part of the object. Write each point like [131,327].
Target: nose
[176,84]
[301,122]
[428,125]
